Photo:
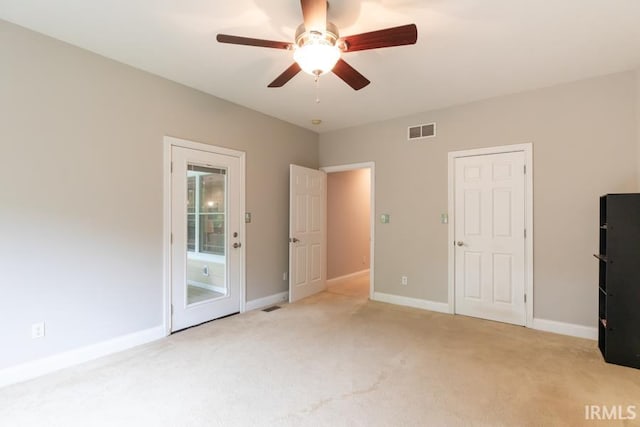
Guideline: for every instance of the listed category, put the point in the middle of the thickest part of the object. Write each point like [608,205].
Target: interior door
[206,245]
[490,237]
[307,232]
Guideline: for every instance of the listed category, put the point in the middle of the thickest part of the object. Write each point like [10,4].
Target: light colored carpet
[357,287]
[334,360]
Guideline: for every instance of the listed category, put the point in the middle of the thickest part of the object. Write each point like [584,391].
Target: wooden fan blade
[246,41]
[350,75]
[397,36]
[314,13]
[288,74]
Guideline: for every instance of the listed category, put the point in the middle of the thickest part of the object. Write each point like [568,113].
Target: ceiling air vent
[421,131]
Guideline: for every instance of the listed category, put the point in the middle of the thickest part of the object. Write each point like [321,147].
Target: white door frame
[527,148]
[168,142]
[372,167]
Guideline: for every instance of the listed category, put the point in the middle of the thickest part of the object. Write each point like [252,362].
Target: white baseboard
[348,276]
[36,368]
[562,328]
[571,329]
[440,307]
[266,301]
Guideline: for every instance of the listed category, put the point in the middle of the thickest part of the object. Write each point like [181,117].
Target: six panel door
[489,237]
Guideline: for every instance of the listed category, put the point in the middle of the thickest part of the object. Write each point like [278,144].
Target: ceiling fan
[318,45]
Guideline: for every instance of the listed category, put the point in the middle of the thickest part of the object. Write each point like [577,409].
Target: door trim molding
[168,142]
[372,168]
[527,149]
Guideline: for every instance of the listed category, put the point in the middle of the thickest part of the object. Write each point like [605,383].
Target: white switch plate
[37,330]
[405,280]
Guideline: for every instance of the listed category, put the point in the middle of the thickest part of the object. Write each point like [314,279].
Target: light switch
[247,217]
[444,218]
[385,218]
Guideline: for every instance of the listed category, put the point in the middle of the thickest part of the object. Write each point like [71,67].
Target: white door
[489,237]
[307,232]
[206,249]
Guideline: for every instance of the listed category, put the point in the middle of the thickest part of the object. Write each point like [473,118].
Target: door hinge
[172,238]
[171,167]
[525,233]
[525,298]
[172,309]
[525,169]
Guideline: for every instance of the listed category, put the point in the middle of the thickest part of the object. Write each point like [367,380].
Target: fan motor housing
[330,35]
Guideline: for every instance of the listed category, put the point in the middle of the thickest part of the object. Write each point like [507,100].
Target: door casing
[168,142]
[527,149]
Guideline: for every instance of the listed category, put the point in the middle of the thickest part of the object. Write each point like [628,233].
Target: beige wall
[81,141]
[348,222]
[584,137]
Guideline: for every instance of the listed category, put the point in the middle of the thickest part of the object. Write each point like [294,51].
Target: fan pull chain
[317,81]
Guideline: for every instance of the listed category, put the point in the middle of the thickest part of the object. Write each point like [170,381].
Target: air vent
[421,131]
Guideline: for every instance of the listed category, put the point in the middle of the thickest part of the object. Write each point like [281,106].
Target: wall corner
[638,129]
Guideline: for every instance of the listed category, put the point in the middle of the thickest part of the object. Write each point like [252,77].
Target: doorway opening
[350,229]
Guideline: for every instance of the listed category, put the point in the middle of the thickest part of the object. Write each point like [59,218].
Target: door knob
[460,243]
[237,245]
[294,240]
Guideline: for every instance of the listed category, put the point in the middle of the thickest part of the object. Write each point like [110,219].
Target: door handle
[237,245]
[294,240]
[460,243]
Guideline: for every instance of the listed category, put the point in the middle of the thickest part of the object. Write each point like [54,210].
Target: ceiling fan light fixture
[317,57]
[317,52]
[318,47]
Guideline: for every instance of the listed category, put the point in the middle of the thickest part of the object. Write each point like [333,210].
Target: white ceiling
[466,50]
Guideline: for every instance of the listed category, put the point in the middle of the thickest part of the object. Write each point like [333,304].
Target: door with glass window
[206,242]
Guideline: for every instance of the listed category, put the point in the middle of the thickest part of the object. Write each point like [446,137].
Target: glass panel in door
[206,233]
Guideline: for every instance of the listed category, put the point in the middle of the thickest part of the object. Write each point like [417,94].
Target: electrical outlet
[37,330]
[284,276]
[405,280]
